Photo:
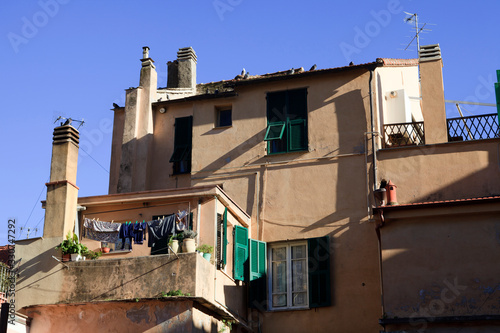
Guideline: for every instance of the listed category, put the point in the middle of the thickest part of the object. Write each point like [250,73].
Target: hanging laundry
[101,231]
[126,232]
[161,229]
[139,232]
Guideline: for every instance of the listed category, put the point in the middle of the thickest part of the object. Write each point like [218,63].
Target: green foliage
[72,245]
[89,254]
[205,248]
[173,293]
[226,324]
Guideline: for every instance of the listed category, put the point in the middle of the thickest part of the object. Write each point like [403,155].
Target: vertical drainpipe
[374,147]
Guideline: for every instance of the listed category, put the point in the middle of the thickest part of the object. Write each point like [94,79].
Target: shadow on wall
[41,264]
[426,168]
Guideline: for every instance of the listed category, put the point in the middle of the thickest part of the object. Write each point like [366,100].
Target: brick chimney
[431,82]
[182,72]
[62,192]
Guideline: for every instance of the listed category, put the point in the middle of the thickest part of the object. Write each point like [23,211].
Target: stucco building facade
[282,174]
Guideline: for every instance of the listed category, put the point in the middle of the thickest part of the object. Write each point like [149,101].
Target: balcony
[473,128]
[404,134]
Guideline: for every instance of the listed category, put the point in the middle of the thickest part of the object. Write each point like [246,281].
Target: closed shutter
[319,272]
[224,239]
[297,134]
[257,276]
[218,251]
[240,252]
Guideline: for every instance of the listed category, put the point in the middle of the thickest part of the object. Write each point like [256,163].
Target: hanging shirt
[161,229]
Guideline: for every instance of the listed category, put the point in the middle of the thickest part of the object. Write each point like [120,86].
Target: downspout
[374,146]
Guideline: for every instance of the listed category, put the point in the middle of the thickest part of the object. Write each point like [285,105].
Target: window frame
[218,111]
[289,278]
[290,116]
[183,144]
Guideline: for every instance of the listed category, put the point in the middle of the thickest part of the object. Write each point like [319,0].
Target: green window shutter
[257,259]
[297,135]
[224,238]
[257,275]
[275,131]
[240,252]
[319,272]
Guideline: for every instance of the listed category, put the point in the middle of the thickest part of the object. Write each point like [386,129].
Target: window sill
[222,127]
[287,152]
[289,309]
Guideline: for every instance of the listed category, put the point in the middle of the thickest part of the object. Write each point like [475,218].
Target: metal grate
[473,128]
[404,134]
[6,278]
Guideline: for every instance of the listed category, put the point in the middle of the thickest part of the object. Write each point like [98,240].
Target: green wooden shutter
[297,135]
[240,252]
[257,259]
[224,238]
[319,271]
[257,275]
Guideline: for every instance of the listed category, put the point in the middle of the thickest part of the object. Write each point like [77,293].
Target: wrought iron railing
[5,282]
[404,134]
[473,128]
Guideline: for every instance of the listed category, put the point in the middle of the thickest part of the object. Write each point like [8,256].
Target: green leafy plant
[71,245]
[226,324]
[92,255]
[173,293]
[205,248]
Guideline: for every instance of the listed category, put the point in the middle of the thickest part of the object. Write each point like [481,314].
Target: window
[223,116]
[299,274]
[286,121]
[289,276]
[181,157]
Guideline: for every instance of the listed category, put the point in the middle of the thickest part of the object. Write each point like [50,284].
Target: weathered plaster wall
[142,316]
[41,277]
[129,278]
[442,264]
[454,170]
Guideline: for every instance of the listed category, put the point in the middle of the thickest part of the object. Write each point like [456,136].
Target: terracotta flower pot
[105,250]
[66,257]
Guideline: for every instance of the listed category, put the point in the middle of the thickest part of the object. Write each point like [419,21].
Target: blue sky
[74,58]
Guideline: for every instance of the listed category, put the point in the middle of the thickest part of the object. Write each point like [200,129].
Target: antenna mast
[413,18]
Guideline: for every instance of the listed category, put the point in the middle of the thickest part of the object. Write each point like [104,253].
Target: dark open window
[181,157]
[224,116]
[286,121]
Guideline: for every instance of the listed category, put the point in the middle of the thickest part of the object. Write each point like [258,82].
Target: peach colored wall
[438,262]
[454,170]
[116,149]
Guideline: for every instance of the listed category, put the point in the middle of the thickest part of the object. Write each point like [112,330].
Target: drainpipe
[375,180]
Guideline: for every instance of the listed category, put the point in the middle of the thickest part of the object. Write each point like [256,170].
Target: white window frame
[288,246]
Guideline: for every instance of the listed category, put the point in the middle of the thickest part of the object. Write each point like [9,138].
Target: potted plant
[105,248]
[188,240]
[174,243]
[207,251]
[72,246]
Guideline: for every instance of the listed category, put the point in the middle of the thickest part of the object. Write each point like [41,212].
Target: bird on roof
[291,71]
[243,72]
[115,105]
[247,75]
[351,64]
[313,68]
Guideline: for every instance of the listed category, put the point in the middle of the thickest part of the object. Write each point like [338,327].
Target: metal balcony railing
[473,127]
[404,134]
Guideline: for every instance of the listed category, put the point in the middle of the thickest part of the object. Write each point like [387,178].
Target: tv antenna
[419,28]
[69,121]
